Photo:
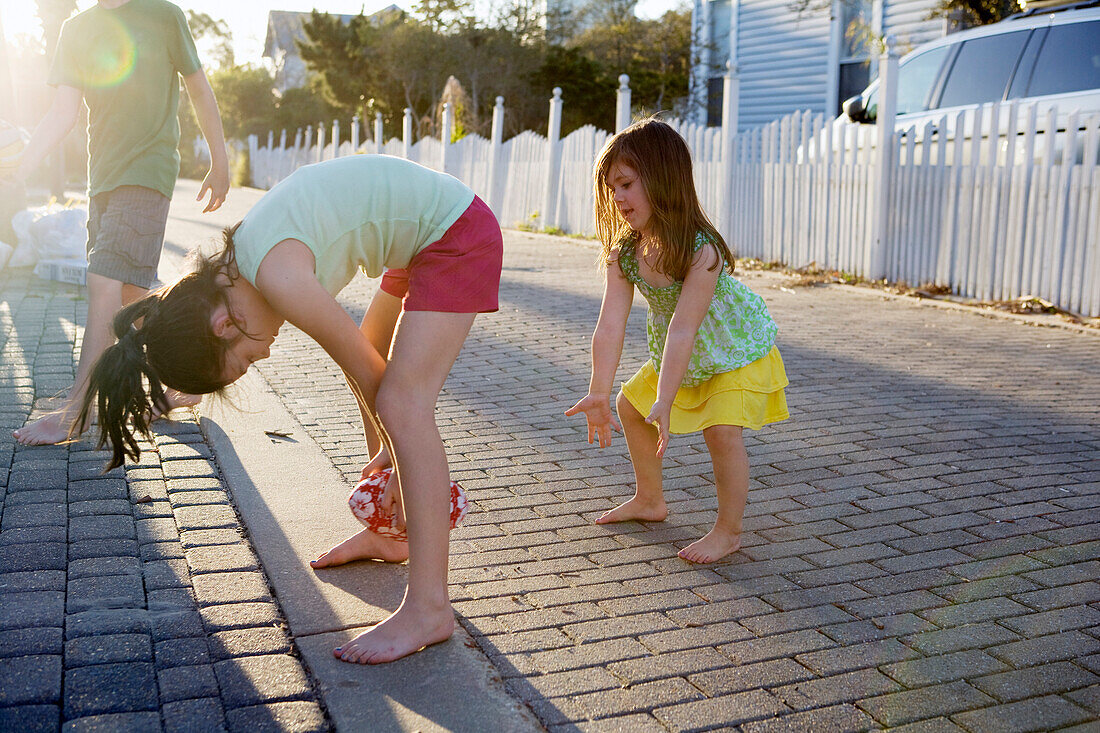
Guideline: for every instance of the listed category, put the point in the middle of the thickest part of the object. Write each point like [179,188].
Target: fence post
[355,133]
[378,132]
[407,133]
[553,161]
[320,142]
[731,93]
[447,125]
[496,147]
[335,139]
[294,161]
[622,111]
[253,160]
[874,261]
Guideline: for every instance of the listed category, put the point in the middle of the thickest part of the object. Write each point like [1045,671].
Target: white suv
[1047,56]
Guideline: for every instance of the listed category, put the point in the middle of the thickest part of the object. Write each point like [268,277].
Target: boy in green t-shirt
[123,58]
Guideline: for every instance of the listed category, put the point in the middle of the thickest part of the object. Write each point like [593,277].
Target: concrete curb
[294,504]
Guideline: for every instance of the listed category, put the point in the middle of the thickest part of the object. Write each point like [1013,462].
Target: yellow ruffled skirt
[751,396]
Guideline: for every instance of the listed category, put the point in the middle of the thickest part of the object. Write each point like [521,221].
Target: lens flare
[111,58]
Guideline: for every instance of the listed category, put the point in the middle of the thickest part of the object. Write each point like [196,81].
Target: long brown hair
[164,338]
[661,158]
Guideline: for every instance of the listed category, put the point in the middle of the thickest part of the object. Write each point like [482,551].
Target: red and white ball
[366,504]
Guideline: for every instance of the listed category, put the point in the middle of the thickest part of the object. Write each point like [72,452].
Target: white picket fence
[998,215]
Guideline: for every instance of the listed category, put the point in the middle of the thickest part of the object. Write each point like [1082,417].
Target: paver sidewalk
[922,534]
[129,600]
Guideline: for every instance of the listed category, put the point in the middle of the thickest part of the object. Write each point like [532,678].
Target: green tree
[608,13]
[969,13]
[400,62]
[654,53]
[441,15]
[587,90]
[299,108]
[343,56]
[246,100]
[212,33]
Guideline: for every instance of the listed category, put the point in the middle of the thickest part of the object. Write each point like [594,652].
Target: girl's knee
[626,408]
[397,405]
[724,436]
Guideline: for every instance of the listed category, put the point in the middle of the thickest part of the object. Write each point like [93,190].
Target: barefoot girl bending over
[713,362]
[297,247]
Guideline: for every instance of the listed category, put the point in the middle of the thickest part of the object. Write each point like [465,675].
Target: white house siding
[908,21]
[782,58]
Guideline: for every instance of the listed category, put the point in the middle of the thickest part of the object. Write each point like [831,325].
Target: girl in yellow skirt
[713,366]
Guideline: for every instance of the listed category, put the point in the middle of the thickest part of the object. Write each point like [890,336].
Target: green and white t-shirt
[736,330]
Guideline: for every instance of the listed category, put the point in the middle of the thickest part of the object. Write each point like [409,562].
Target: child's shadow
[379,585]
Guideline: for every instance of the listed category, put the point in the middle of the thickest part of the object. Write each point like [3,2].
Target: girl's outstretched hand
[597,410]
[659,417]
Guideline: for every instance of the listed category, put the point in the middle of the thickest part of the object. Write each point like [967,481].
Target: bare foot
[406,631]
[712,547]
[176,399]
[380,462]
[364,545]
[49,430]
[643,511]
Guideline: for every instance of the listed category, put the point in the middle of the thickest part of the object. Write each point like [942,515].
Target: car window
[1069,60]
[917,78]
[982,69]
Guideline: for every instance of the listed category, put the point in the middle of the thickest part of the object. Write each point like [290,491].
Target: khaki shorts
[126,233]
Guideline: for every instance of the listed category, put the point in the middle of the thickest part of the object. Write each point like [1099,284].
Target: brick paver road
[922,535]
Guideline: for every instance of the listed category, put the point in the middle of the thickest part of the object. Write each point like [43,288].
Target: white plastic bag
[60,235]
[23,256]
[21,222]
[50,232]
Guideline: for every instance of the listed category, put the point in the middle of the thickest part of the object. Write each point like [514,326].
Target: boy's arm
[691,308]
[607,347]
[210,122]
[59,120]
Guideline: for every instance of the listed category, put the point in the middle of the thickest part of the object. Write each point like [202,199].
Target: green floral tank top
[736,331]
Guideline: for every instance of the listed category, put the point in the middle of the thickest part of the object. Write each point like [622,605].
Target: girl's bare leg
[105,298]
[425,347]
[363,545]
[731,478]
[648,503]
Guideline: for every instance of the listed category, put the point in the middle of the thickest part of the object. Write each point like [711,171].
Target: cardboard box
[66,271]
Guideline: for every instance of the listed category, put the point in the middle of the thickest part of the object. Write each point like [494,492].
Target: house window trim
[836,43]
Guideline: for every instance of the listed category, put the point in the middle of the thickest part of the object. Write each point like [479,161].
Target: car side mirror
[855,111]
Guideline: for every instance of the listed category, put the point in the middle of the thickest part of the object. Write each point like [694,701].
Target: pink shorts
[459,273]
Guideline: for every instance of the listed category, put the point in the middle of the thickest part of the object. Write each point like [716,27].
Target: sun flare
[19,19]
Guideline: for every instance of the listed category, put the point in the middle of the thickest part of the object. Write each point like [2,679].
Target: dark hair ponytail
[164,339]
[124,386]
